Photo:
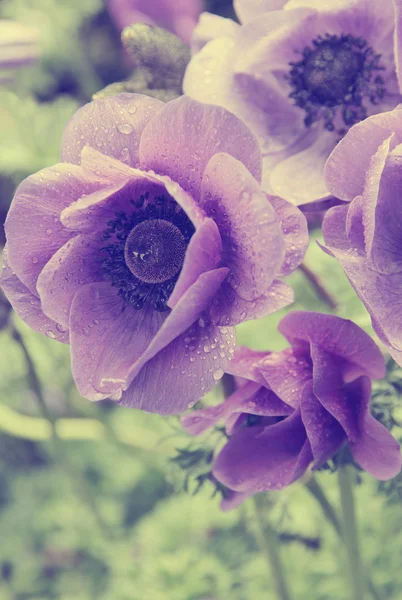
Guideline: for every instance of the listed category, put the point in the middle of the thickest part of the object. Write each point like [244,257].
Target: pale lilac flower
[147,244]
[18,48]
[295,409]
[299,73]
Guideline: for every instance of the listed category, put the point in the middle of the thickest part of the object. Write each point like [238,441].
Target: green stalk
[267,541]
[350,534]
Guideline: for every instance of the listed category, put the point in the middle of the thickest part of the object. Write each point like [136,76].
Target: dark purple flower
[178,16]
[296,408]
[299,73]
[147,244]
[18,47]
[365,235]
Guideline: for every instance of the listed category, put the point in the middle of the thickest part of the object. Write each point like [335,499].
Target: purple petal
[257,459]
[244,364]
[111,125]
[295,232]
[375,449]
[232,500]
[203,254]
[398,40]
[107,337]
[180,141]
[252,239]
[338,336]
[185,368]
[343,227]
[346,168]
[74,265]
[27,305]
[38,203]
[324,433]
[286,373]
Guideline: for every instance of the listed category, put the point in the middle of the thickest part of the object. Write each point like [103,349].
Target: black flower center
[147,250]
[155,251]
[336,76]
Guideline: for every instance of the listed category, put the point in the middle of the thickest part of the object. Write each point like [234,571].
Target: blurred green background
[91,507]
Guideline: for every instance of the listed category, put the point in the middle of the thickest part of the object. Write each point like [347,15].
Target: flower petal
[180,141]
[209,27]
[286,373]
[295,233]
[27,305]
[248,9]
[112,125]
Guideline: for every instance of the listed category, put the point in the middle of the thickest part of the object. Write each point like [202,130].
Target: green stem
[78,481]
[267,541]
[318,493]
[318,286]
[350,533]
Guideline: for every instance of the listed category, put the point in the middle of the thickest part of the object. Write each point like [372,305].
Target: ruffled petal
[244,364]
[257,459]
[338,336]
[286,373]
[209,27]
[76,263]
[295,234]
[112,125]
[252,239]
[37,203]
[28,306]
[185,368]
[248,9]
[343,226]
[180,141]
[375,450]
[107,337]
[346,168]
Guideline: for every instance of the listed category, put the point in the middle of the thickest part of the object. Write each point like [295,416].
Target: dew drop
[125,128]
[60,328]
[50,334]
[217,374]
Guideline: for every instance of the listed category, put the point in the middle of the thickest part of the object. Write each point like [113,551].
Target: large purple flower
[18,47]
[365,235]
[179,16]
[299,73]
[147,244]
[296,408]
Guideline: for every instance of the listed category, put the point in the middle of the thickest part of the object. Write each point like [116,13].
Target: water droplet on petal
[125,128]
[50,334]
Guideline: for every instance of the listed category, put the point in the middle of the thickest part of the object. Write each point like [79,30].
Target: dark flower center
[155,251]
[147,250]
[336,75]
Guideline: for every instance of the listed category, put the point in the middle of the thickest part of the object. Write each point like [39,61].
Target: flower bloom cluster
[300,73]
[146,245]
[178,16]
[18,47]
[365,235]
[296,408]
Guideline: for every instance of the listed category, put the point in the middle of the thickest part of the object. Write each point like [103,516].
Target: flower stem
[267,541]
[350,534]
[318,286]
[78,481]
[318,493]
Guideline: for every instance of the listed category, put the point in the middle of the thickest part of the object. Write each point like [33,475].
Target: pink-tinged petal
[307,167]
[343,227]
[338,336]
[244,364]
[209,27]
[375,450]
[325,434]
[37,203]
[198,421]
[295,233]
[189,308]
[77,263]
[382,218]
[185,368]
[203,254]
[27,305]
[257,459]
[112,125]
[346,168]
[180,141]
[252,239]
[286,373]
[107,337]
[248,9]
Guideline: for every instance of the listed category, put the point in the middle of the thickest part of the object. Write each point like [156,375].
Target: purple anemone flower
[365,235]
[300,74]
[178,16]
[18,47]
[296,408]
[147,244]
